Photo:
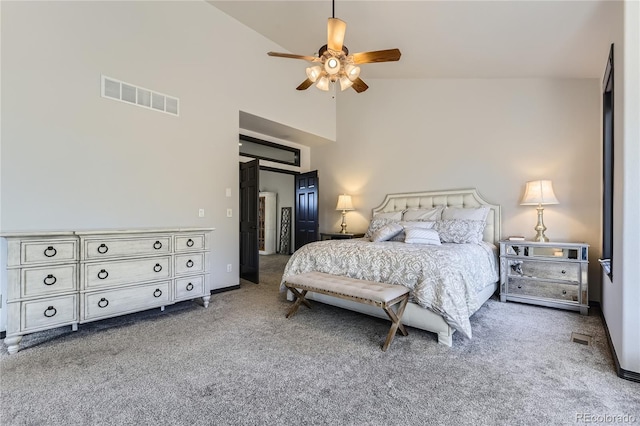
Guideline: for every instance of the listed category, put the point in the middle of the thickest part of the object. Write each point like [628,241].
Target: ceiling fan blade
[376,56]
[305,85]
[359,85]
[292,56]
[335,34]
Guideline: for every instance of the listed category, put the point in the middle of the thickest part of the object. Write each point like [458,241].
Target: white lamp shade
[313,73]
[344,203]
[323,83]
[352,71]
[345,83]
[539,192]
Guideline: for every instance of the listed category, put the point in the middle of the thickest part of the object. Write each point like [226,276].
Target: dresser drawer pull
[564,291]
[48,278]
[102,248]
[190,242]
[103,274]
[189,263]
[563,272]
[103,303]
[189,287]
[157,268]
[157,293]
[50,251]
[50,309]
[157,245]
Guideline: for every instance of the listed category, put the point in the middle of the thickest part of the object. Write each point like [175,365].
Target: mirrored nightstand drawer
[545,270]
[544,289]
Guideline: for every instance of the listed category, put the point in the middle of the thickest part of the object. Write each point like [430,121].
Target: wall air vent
[125,92]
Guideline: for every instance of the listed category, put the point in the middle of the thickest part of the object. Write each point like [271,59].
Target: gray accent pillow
[377,223]
[460,231]
[387,232]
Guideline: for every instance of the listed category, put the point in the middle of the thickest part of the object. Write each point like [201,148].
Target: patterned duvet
[444,278]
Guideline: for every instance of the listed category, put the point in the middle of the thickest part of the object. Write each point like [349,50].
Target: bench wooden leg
[299,300]
[395,322]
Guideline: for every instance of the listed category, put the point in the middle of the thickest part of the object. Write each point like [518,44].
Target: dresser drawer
[190,242]
[189,263]
[544,289]
[103,304]
[102,248]
[35,282]
[561,271]
[189,287]
[48,251]
[48,313]
[104,274]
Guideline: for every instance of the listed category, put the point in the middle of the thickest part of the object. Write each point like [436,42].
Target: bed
[448,282]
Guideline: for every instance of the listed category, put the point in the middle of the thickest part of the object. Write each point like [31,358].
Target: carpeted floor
[241,362]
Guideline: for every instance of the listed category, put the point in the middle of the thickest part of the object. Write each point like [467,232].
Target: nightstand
[338,236]
[548,274]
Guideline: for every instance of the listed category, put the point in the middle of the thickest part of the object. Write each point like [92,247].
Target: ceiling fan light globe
[332,66]
[352,71]
[323,83]
[313,73]
[345,83]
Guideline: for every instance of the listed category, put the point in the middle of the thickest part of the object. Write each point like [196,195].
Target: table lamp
[344,204]
[539,192]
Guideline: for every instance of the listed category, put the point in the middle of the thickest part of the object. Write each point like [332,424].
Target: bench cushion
[369,290]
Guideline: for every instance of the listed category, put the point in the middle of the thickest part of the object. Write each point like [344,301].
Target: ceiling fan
[335,62]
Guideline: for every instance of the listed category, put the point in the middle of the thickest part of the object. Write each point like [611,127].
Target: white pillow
[422,214]
[421,236]
[387,232]
[460,231]
[416,224]
[475,213]
[389,215]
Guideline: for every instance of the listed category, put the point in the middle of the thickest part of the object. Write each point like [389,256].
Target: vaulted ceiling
[448,39]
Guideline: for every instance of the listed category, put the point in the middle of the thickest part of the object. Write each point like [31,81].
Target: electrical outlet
[200,212]
[229,212]
[229,267]
[228,192]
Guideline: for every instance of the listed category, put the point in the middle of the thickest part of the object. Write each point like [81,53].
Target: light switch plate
[229,212]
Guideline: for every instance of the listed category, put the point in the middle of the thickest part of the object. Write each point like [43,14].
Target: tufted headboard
[449,198]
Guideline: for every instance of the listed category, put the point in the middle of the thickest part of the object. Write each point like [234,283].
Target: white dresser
[59,279]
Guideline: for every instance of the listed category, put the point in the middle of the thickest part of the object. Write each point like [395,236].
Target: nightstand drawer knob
[564,291]
[563,272]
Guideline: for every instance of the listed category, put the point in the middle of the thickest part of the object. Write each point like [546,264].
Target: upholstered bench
[373,293]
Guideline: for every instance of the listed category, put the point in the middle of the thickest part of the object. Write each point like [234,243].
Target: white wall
[621,298]
[282,184]
[493,135]
[73,160]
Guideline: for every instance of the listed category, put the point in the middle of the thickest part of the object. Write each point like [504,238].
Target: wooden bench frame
[395,317]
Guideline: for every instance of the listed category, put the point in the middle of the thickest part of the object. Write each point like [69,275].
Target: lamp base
[540,228]
[344,222]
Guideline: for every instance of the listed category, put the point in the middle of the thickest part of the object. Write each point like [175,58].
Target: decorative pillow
[413,224]
[422,214]
[475,213]
[387,232]
[377,223]
[460,231]
[421,236]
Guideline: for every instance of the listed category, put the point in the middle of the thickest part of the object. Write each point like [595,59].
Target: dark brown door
[306,220]
[249,257]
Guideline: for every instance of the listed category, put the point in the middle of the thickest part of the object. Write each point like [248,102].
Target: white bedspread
[444,279]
